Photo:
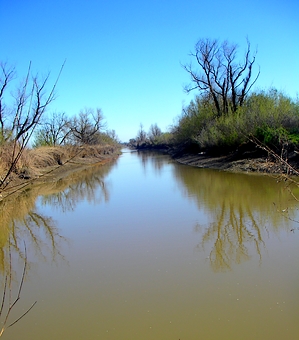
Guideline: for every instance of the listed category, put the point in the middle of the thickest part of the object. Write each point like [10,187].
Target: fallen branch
[259,144]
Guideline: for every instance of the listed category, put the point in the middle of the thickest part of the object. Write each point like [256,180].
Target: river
[145,248]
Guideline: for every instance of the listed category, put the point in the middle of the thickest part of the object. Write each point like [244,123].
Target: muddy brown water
[145,248]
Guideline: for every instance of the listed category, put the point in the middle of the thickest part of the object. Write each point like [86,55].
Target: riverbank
[248,158]
[240,164]
[51,164]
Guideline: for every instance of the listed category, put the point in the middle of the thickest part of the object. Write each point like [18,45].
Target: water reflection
[87,184]
[21,221]
[241,209]
[132,268]
[233,235]
[152,159]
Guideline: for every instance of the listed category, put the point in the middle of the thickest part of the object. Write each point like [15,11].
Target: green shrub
[270,116]
[195,117]
[273,137]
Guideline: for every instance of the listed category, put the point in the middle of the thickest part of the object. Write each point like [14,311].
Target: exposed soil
[52,173]
[233,164]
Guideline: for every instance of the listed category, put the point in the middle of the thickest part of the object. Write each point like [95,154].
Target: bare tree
[221,77]
[154,133]
[87,126]
[141,136]
[7,75]
[18,123]
[54,130]
[112,134]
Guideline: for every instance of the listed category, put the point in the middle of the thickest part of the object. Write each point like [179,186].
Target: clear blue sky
[125,56]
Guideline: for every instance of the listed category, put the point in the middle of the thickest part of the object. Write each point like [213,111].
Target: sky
[126,57]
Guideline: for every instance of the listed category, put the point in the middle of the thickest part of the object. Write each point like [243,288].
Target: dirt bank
[233,164]
[53,164]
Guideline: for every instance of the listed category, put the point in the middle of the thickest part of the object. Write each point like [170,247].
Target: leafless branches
[18,123]
[288,169]
[87,126]
[53,131]
[220,76]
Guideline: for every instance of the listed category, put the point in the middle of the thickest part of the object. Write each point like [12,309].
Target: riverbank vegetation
[226,116]
[270,117]
[32,137]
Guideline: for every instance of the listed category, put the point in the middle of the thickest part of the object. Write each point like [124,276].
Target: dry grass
[48,156]
[8,153]
[34,162]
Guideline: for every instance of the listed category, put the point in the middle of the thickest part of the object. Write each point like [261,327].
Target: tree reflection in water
[152,158]
[21,224]
[9,302]
[232,234]
[21,220]
[241,209]
[87,184]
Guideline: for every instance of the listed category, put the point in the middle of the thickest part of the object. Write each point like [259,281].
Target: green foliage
[6,136]
[221,135]
[195,117]
[41,139]
[154,139]
[294,138]
[271,108]
[270,116]
[277,138]
[271,136]
[104,138]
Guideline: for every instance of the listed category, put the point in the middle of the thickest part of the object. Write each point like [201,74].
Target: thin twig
[10,303]
[27,311]
[4,294]
[274,154]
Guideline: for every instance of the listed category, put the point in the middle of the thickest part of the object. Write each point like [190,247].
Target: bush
[270,116]
[194,118]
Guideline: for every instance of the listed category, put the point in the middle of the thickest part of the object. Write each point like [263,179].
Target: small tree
[221,77]
[53,131]
[154,133]
[114,137]
[86,127]
[141,136]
